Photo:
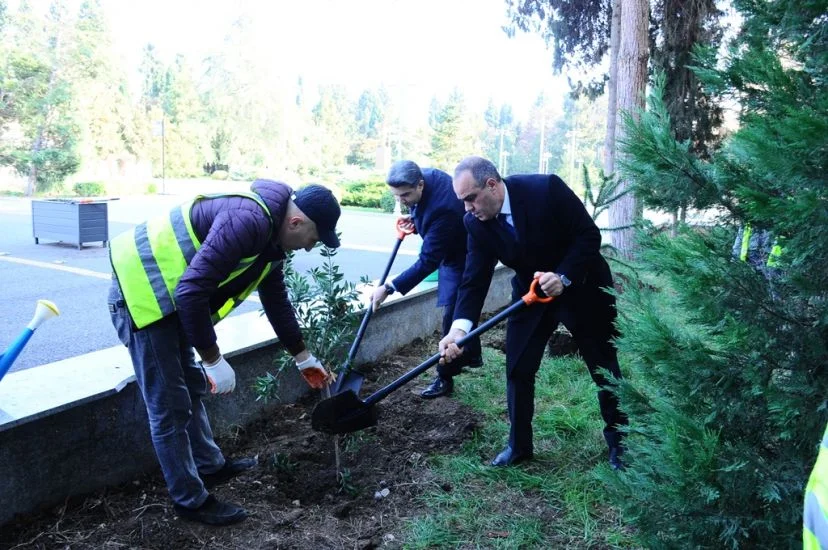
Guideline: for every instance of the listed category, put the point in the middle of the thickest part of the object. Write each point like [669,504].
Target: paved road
[77,280]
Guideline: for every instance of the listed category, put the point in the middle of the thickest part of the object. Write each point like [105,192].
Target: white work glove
[220,375]
[313,372]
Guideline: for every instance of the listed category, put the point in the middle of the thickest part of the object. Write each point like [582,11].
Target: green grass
[554,501]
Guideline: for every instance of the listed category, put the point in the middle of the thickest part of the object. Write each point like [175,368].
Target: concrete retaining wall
[99,437]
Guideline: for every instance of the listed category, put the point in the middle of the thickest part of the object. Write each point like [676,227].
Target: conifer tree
[727,378]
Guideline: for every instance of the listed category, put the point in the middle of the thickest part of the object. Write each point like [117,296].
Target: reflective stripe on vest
[815,528]
[150,260]
[745,243]
[775,254]
[233,302]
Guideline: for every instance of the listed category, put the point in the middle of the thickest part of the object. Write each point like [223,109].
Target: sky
[422,47]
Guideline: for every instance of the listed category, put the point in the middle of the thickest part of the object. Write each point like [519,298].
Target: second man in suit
[537,226]
[437,216]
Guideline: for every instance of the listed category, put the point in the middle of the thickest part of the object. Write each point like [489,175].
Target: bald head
[479,186]
[481,169]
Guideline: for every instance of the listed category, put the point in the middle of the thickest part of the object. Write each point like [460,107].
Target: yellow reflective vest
[815,519]
[150,260]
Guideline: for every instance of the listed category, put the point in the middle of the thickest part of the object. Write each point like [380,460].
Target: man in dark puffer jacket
[177,275]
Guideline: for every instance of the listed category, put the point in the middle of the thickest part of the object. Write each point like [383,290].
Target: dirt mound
[294,497]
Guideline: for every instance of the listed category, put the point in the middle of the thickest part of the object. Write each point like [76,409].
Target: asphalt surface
[77,281]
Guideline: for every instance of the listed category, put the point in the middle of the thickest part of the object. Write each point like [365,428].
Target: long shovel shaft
[368,311]
[383,392]
[391,260]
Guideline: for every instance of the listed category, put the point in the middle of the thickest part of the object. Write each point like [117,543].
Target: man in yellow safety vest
[174,277]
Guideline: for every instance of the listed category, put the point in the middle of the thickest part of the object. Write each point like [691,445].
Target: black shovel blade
[343,413]
[348,380]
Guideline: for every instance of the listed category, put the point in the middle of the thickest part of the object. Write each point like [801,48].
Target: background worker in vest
[174,277]
[437,216]
[759,248]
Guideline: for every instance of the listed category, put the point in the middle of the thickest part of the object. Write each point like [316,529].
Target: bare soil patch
[293,497]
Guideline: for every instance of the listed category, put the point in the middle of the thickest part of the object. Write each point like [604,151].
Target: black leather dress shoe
[508,457]
[231,469]
[474,363]
[438,388]
[615,458]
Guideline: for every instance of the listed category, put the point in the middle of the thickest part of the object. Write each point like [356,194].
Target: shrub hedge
[89,188]
[372,193]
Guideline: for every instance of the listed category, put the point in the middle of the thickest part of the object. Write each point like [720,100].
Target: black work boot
[440,387]
[212,512]
[231,469]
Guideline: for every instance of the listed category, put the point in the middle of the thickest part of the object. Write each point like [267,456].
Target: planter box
[75,221]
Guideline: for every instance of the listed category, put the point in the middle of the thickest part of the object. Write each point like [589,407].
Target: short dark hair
[404,173]
[481,169]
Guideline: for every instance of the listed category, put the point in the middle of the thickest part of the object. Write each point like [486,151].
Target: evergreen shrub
[387,201]
[726,364]
[365,193]
[89,189]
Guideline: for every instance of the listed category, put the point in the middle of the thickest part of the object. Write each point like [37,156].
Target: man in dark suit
[537,226]
[437,216]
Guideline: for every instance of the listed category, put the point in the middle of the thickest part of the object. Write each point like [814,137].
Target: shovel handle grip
[534,296]
[403,232]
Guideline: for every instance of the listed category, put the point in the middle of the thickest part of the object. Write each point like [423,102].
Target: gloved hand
[378,297]
[220,375]
[313,372]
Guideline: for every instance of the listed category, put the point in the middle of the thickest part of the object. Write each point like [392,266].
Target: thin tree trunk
[633,53]
[612,87]
[37,145]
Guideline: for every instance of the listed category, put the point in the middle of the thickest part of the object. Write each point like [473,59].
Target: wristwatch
[389,289]
[564,280]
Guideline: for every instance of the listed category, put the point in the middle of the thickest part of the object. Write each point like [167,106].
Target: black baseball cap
[319,204]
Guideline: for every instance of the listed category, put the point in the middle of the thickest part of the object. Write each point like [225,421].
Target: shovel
[345,412]
[347,378]
[43,311]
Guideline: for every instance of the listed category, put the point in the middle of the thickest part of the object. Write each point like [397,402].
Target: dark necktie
[510,229]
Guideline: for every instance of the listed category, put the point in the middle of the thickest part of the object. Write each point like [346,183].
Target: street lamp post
[163,159]
[158,130]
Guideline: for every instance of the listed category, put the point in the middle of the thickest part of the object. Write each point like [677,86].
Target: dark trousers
[592,335]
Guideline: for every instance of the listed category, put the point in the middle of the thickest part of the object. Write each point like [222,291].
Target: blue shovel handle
[13,351]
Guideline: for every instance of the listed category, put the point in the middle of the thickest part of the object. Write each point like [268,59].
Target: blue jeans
[173,386]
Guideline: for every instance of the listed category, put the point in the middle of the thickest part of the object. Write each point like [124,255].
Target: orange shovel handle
[532,296]
[403,232]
